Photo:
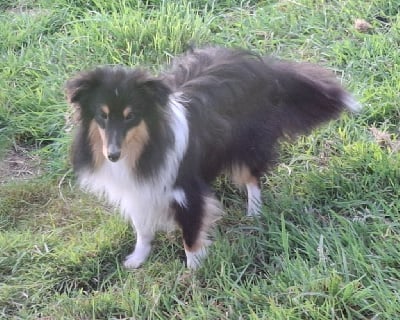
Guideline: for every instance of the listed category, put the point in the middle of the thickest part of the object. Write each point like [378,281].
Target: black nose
[114,156]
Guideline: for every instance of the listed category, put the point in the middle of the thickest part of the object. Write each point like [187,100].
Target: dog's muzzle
[114,153]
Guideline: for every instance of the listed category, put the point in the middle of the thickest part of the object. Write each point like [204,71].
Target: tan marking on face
[241,175]
[134,143]
[105,109]
[98,142]
[103,137]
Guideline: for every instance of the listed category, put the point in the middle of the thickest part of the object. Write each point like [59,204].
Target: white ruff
[145,203]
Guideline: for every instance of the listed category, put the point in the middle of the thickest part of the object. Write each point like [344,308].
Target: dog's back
[241,104]
[236,82]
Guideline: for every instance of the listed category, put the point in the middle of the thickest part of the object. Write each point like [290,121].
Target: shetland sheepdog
[152,145]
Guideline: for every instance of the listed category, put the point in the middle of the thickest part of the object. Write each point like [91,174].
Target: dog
[153,145]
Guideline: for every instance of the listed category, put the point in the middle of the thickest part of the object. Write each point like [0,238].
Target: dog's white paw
[254,202]
[137,257]
[133,262]
[195,258]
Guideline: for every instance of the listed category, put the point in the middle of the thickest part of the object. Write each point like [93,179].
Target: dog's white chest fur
[145,204]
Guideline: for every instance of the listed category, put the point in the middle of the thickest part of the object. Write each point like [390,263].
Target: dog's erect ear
[77,88]
[156,89]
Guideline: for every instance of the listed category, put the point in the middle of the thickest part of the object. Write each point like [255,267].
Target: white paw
[194,259]
[137,257]
[254,202]
[133,262]
[253,212]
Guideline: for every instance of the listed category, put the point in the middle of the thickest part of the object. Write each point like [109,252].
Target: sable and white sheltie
[152,145]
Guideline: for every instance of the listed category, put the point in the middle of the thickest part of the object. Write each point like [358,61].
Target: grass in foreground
[328,243]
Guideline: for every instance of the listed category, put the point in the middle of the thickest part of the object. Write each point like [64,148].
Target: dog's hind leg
[243,175]
[141,252]
[253,199]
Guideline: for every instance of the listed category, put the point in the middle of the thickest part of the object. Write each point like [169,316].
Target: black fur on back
[240,104]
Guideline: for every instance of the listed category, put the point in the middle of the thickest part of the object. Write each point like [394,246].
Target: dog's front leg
[141,252]
[196,211]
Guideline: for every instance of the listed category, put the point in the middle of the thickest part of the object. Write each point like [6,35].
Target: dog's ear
[156,90]
[77,88]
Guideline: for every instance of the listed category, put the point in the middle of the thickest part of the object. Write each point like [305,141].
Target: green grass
[328,243]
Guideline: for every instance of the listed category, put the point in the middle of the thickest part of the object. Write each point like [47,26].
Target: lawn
[327,245]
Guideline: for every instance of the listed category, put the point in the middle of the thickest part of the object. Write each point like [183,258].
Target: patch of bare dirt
[385,139]
[19,163]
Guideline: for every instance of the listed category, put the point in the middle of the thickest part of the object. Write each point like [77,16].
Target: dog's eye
[103,115]
[129,116]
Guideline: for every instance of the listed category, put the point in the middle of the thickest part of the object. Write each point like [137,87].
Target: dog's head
[117,104]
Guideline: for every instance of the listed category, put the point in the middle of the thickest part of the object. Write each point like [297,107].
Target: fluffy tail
[308,96]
